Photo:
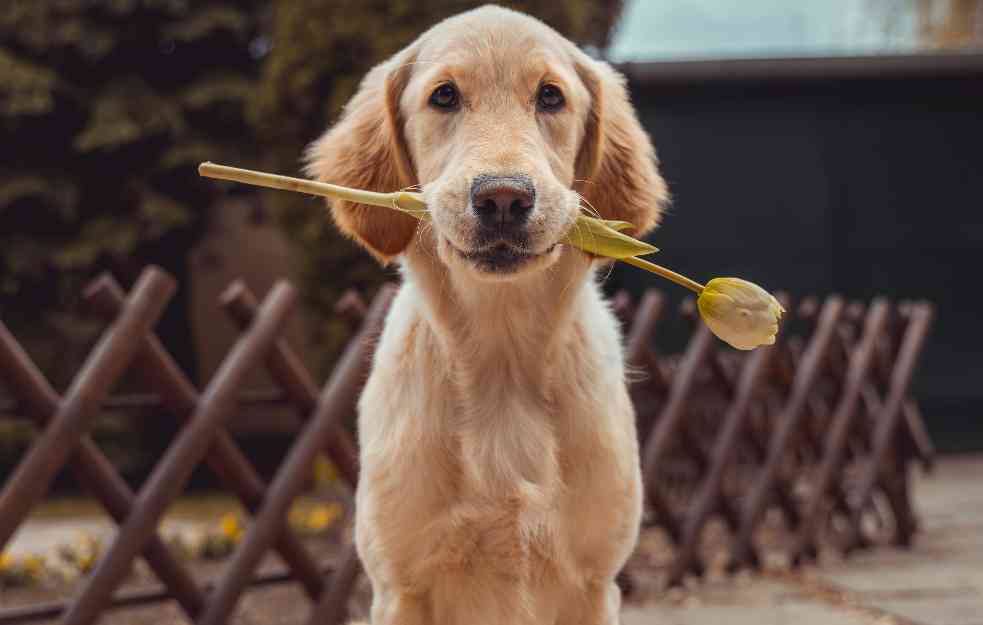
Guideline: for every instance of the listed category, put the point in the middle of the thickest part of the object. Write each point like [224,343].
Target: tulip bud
[739,312]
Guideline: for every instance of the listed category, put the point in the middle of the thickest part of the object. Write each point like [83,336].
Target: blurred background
[813,147]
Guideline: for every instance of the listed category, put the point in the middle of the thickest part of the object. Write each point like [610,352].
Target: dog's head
[508,128]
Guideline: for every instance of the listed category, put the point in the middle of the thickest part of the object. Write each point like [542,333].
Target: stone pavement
[938,582]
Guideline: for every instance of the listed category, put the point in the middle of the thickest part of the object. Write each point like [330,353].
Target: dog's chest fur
[505,463]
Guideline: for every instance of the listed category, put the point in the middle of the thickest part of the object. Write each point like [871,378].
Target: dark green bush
[105,109]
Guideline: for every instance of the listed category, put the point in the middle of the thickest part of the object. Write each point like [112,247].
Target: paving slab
[939,581]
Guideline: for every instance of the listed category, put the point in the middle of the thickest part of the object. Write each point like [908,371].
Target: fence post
[93,470]
[288,372]
[225,458]
[708,496]
[808,371]
[171,474]
[669,421]
[337,399]
[108,360]
[638,350]
[886,431]
[857,372]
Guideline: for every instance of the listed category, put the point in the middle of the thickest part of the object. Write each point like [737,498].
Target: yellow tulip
[740,312]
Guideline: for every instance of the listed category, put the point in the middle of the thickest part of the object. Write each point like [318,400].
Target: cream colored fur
[500,480]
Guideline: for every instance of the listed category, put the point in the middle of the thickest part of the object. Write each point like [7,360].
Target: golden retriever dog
[500,477]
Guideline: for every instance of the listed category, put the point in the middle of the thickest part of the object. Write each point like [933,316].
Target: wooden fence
[722,434]
[731,435]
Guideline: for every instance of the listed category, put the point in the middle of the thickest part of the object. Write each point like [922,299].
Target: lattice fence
[821,426]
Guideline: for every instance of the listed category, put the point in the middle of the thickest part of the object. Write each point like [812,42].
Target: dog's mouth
[501,257]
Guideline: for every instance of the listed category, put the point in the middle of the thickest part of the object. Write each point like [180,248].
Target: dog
[500,479]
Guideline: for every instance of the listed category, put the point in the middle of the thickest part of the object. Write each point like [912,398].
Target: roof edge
[935,65]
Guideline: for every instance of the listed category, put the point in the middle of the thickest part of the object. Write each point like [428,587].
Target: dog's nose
[502,201]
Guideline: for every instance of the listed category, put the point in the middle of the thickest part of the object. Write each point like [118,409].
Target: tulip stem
[386,200]
[668,274]
[286,183]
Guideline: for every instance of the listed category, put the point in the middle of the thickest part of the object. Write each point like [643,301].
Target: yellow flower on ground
[739,312]
[33,564]
[83,554]
[325,472]
[315,519]
[90,550]
[218,541]
[321,517]
[232,527]
[23,571]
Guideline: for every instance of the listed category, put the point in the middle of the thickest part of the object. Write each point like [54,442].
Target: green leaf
[603,238]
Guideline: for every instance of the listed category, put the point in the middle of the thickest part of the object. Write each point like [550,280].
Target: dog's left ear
[617,168]
[366,150]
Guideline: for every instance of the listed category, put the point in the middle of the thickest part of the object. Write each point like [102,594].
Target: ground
[938,582]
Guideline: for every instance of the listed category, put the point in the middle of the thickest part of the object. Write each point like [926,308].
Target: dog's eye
[445,97]
[550,98]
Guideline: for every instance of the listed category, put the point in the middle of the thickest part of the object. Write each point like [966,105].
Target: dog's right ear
[366,150]
[617,169]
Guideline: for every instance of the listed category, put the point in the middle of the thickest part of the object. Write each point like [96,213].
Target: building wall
[852,186]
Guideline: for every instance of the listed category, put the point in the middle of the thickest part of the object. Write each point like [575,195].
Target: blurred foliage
[957,24]
[105,109]
[320,49]
[942,25]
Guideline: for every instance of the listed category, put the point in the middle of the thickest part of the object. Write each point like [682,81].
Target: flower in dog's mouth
[739,312]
